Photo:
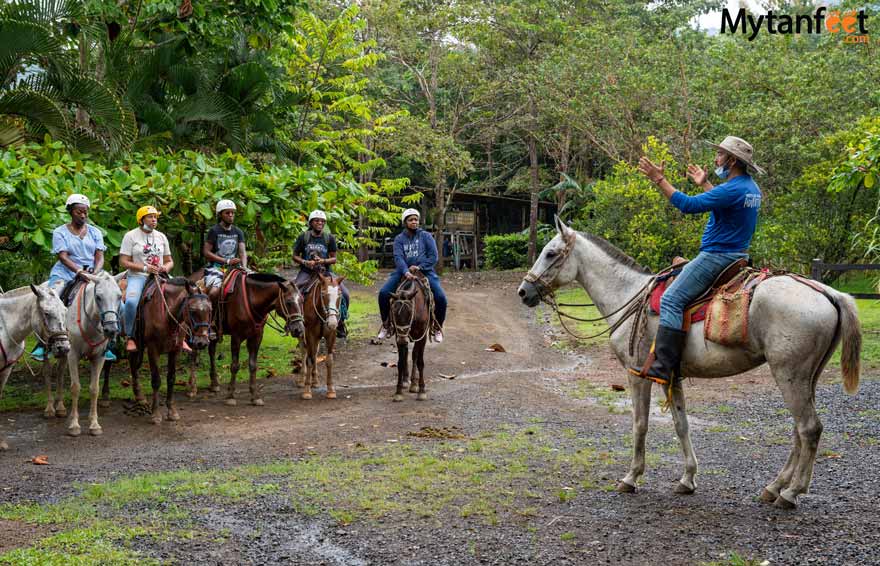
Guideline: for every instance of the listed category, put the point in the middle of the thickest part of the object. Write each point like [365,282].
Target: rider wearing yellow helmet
[145,251]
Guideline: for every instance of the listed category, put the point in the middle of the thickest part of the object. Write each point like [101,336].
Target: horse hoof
[74,431]
[49,414]
[768,496]
[682,489]
[783,503]
[173,415]
[97,431]
[398,397]
[624,487]
[60,413]
[306,396]
[231,402]
[331,395]
[215,389]
[422,397]
[104,403]
[3,446]
[157,419]
[191,394]
[257,402]
[414,389]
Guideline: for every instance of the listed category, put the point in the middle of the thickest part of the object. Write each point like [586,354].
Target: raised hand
[697,175]
[652,171]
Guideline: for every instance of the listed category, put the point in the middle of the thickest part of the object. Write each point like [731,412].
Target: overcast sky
[713,19]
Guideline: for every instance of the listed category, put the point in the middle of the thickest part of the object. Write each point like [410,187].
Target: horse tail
[851,348]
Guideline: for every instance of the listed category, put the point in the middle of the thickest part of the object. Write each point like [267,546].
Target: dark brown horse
[321,313]
[411,312]
[244,305]
[167,315]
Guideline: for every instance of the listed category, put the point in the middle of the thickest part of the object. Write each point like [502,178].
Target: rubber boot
[668,346]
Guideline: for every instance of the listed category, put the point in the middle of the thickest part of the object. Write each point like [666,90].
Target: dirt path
[736,427]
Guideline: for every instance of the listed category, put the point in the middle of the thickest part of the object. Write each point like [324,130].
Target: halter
[403,331]
[102,315]
[288,317]
[543,281]
[191,325]
[325,306]
[47,339]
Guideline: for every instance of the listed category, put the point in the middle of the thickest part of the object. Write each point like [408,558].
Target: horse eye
[551,253]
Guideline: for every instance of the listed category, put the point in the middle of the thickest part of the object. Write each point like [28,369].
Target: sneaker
[185,346]
[109,355]
[383,334]
[39,353]
[438,336]
[131,345]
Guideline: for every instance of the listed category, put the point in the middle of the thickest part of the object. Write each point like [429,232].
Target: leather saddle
[696,310]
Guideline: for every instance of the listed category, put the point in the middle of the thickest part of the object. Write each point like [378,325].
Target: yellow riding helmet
[145,210]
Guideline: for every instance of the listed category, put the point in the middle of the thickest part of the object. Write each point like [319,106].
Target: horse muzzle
[200,342]
[296,329]
[529,294]
[59,346]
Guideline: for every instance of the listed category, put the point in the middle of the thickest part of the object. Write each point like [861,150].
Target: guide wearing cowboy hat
[733,206]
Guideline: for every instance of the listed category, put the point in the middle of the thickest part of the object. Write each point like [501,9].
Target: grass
[276,356]
[613,401]
[734,559]
[497,476]
[575,295]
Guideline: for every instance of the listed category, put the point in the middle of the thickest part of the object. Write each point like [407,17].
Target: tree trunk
[534,184]
[440,220]
[82,117]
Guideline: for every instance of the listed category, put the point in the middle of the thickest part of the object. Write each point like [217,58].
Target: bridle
[103,315]
[543,281]
[402,331]
[285,312]
[326,308]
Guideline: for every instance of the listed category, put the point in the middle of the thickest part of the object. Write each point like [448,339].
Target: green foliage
[274,201]
[510,251]
[631,213]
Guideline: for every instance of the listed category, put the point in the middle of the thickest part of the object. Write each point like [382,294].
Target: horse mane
[615,253]
[179,281]
[266,278]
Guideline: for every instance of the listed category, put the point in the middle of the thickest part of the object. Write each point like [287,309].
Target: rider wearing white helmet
[79,247]
[317,248]
[224,248]
[414,251]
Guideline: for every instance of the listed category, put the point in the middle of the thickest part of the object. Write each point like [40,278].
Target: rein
[79,312]
[403,331]
[288,317]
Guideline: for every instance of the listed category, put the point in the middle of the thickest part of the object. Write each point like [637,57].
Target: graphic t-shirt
[318,246]
[148,249]
[224,242]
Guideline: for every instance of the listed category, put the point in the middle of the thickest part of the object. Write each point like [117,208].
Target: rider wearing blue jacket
[414,251]
[734,208]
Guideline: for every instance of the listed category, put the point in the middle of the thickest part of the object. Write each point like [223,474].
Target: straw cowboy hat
[741,149]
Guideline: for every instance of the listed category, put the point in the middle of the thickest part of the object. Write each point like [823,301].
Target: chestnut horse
[170,314]
[321,312]
[411,311]
[243,314]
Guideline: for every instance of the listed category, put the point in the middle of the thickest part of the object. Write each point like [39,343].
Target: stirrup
[638,373]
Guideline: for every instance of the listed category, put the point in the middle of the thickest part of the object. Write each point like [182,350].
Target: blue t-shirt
[420,250]
[81,251]
[734,206]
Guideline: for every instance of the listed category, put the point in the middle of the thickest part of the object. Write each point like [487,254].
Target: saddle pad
[228,284]
[727,319]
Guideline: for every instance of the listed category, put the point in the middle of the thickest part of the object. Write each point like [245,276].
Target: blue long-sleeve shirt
[734,206]
[420,249]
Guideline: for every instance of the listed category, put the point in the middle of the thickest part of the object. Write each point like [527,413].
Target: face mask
[146,227]
[722,172]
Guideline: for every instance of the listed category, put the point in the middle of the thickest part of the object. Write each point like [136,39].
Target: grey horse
[792,327]
[93,323]
[22,312]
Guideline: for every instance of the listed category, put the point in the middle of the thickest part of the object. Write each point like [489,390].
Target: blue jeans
[690,284]
[132,298]
[391,286]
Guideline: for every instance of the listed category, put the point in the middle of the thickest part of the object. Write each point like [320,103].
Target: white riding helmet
[317,214]
[77,198]
[225,204]
[409,212]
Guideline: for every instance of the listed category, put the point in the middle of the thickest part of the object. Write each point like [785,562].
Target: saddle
[724,306]
[71,288]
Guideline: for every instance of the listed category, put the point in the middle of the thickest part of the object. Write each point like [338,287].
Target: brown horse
[167,316]
[321,312]
[411,312]
[244,305]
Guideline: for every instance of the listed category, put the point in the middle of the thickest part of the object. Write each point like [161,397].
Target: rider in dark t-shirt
[313,248]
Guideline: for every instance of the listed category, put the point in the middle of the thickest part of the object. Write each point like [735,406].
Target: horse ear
[35,290]
[340,280]
[395,296]
[563,228]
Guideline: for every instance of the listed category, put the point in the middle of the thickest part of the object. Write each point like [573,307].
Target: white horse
[27,310]
[792,327]
[93,323]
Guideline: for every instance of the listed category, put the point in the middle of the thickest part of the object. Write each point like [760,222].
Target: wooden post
[476,234]
[816,269]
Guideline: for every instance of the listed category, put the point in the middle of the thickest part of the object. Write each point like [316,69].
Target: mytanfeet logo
[851,24]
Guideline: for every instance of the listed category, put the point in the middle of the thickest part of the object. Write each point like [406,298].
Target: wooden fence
[817,267]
